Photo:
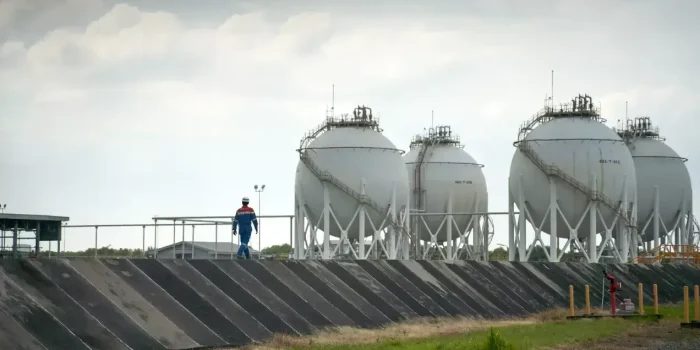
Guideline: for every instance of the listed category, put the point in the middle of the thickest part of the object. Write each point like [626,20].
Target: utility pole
[259,190]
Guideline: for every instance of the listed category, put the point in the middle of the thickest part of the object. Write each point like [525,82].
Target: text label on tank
[468,182]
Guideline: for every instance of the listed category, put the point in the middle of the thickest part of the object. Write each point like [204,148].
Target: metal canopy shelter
[44,228]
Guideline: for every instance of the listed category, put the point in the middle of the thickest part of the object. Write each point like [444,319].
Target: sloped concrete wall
[178,304]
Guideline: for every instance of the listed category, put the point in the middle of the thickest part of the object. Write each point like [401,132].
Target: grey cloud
[128,152]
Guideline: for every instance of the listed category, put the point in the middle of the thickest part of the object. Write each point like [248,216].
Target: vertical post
[522,222]
[143,241]
[392,227]
[95,241]
[656,300]
[58,244]
[656,217]
[553,216]
[696,299]
[634,246]
[588,300]
[36,240]
[174,239]
[449,240]
[571,300]
[49,249]
[260,225]
[485,236]
[326,222]
[511,225]
[232,250]
[192,247]
[361,219]
[291,232]
[155,238]
[592,235]
[299,230]
[15,237]
[640,289]
[182,246]
[686,314]
[65,240]
[626,228]
[216,240]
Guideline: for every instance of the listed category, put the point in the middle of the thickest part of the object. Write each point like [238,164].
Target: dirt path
[664,335]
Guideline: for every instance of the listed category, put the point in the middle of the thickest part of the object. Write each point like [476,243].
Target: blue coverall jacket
[245,216]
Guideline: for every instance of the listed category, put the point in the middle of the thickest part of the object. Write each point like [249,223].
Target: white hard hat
[245,199]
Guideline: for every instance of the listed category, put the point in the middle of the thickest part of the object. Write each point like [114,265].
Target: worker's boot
[241,257]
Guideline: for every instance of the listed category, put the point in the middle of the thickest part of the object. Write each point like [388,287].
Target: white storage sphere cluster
[446,170]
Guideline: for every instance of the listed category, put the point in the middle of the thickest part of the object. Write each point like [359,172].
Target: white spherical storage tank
[445,170]
[350,150]
[657,165]
[579,145]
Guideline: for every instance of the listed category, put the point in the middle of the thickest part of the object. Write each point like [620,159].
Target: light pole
[259,191]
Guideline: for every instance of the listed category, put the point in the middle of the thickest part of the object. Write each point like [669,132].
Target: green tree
[278,249]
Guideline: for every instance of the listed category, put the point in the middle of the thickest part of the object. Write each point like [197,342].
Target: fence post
[291,232]
[216,240]
[95,242]
[143,241]
[192,253]
[656,300]
[588,300]
[155,239]
[571,300]
[174,246]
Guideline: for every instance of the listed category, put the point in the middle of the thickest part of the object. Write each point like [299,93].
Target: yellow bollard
[588,301]
[686,316]
[696,298]
[640,288]
[571,300]
[656,300]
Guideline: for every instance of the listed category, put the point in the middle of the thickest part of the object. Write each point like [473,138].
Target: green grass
[517,337]
[669,312]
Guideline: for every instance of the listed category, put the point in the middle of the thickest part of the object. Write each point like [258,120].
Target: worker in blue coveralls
[245,215]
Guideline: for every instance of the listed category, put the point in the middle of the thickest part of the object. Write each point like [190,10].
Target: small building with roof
[18,231]
[199,250]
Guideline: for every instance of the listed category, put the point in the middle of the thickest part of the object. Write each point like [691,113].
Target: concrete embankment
[178,304]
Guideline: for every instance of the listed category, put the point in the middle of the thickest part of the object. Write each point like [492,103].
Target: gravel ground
[660,336]
[681,345]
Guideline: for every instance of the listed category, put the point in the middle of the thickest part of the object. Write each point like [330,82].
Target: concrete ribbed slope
[178,304]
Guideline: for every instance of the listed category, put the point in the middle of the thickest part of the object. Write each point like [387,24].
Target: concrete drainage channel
[203,304]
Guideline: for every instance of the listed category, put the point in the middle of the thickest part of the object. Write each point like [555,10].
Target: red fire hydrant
[614,286]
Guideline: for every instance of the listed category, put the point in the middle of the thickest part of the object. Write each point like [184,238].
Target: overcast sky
[113,112]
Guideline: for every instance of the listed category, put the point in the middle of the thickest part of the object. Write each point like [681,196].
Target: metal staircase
[418,186]
[325,175]
[553,170]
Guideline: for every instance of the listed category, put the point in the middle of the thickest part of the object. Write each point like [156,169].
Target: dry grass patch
[411,329]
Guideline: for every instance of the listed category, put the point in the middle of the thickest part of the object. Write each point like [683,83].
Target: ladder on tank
[325,175]
[419,162]
[553,170]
